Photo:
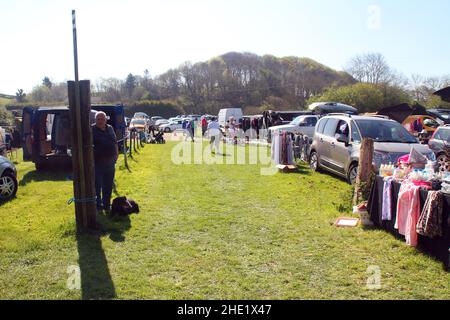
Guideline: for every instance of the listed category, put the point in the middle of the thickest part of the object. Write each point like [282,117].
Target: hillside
[247,80]
[6,99]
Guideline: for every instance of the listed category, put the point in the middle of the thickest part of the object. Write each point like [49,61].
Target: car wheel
[352,174]
[440,163]
[314,161]
[166,129]
[8,186]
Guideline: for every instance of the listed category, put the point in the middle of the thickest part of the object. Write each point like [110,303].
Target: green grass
[205,232]
[5,101]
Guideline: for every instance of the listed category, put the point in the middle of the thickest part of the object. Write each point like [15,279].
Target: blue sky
[118,37]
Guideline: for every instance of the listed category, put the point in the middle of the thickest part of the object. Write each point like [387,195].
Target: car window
[356,137]
[330,127]
[297,121]
[310,121]
[342,128]
[437,135]
[443,134]
[384,131]
[321,125]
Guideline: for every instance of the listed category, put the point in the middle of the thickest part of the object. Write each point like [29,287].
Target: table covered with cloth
[437,247]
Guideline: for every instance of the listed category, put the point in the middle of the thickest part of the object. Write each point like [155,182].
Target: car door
[340,151]
[27,133]
[325,141]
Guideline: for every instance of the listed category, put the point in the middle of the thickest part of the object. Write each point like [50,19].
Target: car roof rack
[379,116]
[338,114]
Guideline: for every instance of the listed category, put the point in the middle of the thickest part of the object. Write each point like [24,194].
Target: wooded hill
[248,81]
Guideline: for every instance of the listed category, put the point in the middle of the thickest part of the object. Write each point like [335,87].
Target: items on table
[415,172]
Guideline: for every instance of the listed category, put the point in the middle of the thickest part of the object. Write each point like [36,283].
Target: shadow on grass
[432,248]
[96,281]
[114,226]
[62,175]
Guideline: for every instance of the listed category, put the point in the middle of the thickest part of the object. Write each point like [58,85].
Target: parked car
[8,179]
[172,126]
[289,116]
[139,115]
[440,139]
[46,133]
[416,123]
[226,114]
[337,140]
[442,115]
[195,117]
[153,120]
[301,125]
[160,122]
[139,124]
[324,108]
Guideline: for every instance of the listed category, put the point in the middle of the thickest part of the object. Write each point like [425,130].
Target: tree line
[257,83]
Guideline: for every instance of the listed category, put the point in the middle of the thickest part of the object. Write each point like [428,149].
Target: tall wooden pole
[82,158]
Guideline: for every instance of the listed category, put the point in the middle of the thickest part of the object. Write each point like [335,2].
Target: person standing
[190,128]
[106,153]
[204,125]
[184,126]
[214,133]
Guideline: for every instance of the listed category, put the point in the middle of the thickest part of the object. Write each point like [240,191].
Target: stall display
[412,201]
[282,149]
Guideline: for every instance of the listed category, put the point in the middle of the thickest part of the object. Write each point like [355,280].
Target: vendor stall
[385,216]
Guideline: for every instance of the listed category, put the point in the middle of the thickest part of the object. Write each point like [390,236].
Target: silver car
[337,140]
[8,179]
[440,139]
[301,125]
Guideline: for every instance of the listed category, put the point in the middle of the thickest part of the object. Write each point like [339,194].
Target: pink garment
[408,212]
[423,184]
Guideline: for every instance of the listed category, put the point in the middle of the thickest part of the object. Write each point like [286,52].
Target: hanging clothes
[430,221]
[387,199]
[282,149]
[408,212]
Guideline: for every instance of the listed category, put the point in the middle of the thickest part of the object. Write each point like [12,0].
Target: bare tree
[370,68]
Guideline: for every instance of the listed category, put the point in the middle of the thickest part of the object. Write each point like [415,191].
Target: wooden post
[365,171]
[124,150]
[137,140]
[82,154]
[134,141]
[131,143]
[79,95]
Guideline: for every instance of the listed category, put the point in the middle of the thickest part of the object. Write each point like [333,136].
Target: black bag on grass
[123,207]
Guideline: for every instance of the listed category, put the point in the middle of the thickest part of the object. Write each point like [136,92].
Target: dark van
[46,133]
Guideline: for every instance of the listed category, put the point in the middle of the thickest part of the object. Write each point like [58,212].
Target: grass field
[204,232]
[4,101]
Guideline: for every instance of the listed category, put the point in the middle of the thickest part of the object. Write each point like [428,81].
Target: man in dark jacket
[106,152]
